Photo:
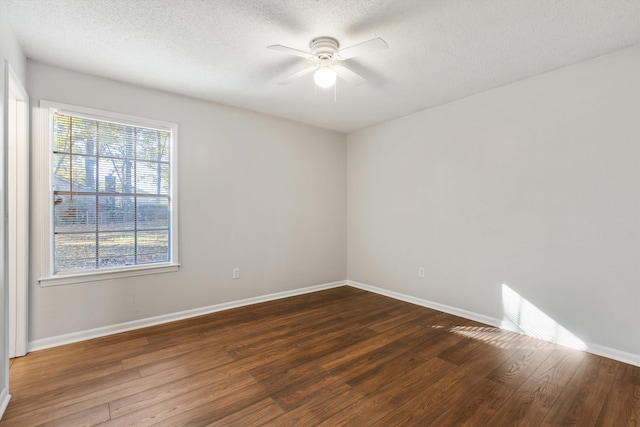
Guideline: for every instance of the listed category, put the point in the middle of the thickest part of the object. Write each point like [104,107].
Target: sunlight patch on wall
[519,315]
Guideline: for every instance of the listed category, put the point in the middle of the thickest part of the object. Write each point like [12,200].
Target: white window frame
[47,275]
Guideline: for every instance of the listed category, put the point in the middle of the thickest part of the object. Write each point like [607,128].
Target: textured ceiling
[439,50]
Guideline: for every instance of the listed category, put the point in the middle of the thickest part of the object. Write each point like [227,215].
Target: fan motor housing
[324,47]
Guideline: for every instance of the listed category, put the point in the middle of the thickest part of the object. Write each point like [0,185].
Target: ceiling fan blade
[348,75]
[298,74]
[292,51]
[369,46]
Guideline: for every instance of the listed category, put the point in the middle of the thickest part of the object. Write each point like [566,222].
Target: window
[112,189]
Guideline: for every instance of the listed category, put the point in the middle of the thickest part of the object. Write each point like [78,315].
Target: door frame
[17,209]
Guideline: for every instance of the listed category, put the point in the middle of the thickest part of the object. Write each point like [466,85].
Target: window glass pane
[116,249]
[77,215]
[79,170]
[153,212]
[83,136]
[153,246]
[152,144]
[116,213]
[152,178]
[116,175]
[61,133]
[116,140]
[75,252]
[61,174]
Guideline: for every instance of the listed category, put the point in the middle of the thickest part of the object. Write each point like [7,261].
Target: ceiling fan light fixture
[324,52]
[324,77]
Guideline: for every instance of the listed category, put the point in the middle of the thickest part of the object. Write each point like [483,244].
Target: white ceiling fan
[327,57]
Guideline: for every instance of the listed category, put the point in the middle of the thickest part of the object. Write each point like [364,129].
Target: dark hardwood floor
[337,357]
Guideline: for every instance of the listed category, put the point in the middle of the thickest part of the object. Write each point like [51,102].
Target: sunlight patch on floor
[488,334]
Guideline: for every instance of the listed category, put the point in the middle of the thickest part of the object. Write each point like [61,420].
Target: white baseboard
[165,318]
[429,304]
[600,350]
[611,353]
[4,400]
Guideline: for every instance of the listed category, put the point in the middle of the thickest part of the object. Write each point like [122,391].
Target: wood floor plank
[369,381]
[292,380]
[158,410]
[215,379]
[197,357]
[33,410]
[528,405]
[342,356]
[165,353]
[560,366]
[46,409]
[353,351]
[334,329]
[87,418]
[299,393]
[490,355]
[519,367]
[255,414]
[371,361]
[203,414]
[424,407]
[622,405]
[318,409]
[78,376]
[45,368]
[104,390]
[391,393]
[476,406]
[583,398]
[401,317]
[274,366]
[478,341]
[311,338]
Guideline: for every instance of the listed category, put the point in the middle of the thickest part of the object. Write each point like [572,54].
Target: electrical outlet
[421,272]
[236,273]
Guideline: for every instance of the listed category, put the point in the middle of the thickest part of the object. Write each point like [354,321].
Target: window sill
[69,279]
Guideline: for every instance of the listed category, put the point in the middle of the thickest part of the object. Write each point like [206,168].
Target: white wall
[255,192]
[9,52]
[535,185]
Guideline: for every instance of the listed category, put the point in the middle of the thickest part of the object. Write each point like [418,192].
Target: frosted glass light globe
[324,77]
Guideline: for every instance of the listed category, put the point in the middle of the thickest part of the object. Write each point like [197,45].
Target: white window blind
[111,194]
